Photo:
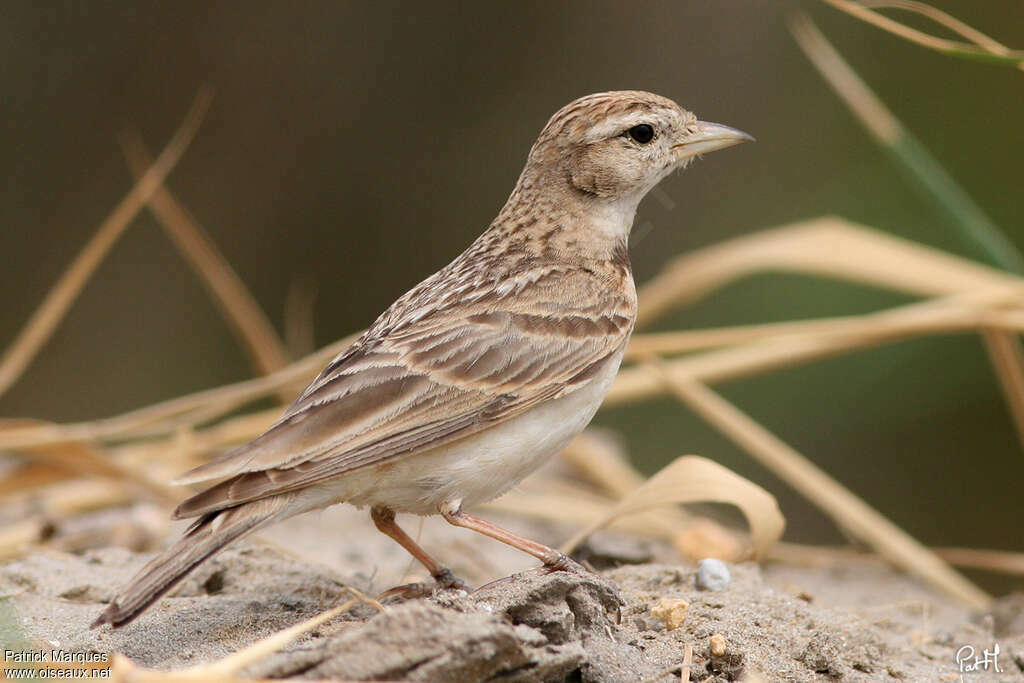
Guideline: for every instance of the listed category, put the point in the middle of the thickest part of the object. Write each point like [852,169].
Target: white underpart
[472,470]
[613,219]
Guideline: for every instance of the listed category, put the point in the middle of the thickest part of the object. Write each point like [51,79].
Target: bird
[474,377]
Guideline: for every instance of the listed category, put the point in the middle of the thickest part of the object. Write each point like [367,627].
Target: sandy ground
[860,622]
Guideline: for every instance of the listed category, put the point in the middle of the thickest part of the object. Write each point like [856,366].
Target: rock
[671,612]
[822,655]
[1008,615]
[729,665]
[712,575]
[561,605]
[717,645]
[420,641]
[534,626]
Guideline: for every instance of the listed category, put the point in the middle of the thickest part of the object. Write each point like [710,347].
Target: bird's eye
[642,133]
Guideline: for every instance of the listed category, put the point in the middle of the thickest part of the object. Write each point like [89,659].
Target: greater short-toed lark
[478,374]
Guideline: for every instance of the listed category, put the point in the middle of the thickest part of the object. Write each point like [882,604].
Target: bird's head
[618,145]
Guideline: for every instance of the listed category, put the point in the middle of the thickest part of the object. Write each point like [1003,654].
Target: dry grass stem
[50,312]
[228,669]
[635,384]
[878,327]
[684,668]
[828,246]
[600,460]
[165,417]
[939,17]
[86,460]
[233,664]
[692,479]
[998,561]
[17,537]
[568,504]
[860,99]
[1007,357]
[298,317]
[32,475]
[236,303]
[847,510]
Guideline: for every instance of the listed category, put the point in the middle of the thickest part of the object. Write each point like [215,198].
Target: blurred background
[354,148]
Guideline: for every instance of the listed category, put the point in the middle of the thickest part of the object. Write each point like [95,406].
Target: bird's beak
[709,137]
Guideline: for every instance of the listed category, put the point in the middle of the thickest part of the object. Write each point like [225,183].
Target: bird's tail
[209,534]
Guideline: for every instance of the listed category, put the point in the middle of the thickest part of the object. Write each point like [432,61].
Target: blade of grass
[988,52]
[847,510]
[248,321]
[909,154]
[46,317]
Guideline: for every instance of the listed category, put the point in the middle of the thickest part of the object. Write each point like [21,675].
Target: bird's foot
[559,562]
[443,580]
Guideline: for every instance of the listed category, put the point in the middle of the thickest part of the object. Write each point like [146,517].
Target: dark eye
[642,133]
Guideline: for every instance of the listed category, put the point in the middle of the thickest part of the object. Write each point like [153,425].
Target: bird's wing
[432,377]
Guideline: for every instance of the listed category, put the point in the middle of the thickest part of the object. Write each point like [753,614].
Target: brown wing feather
[427,379]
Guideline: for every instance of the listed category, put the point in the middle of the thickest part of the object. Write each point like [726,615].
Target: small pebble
[717,645]
[671,612]
[712,575]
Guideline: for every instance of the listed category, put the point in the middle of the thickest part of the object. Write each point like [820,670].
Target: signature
[968,661]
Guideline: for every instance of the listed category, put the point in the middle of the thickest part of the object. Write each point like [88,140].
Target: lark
[478,374]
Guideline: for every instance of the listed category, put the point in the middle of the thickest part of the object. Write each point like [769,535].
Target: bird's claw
[443,580]
[559,563]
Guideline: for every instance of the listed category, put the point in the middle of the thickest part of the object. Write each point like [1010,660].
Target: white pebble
[712,575]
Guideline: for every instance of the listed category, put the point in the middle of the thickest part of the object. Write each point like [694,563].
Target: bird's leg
[384,519]
[553,559]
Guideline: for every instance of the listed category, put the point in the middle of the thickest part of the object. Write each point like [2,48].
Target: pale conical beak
[709,137]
